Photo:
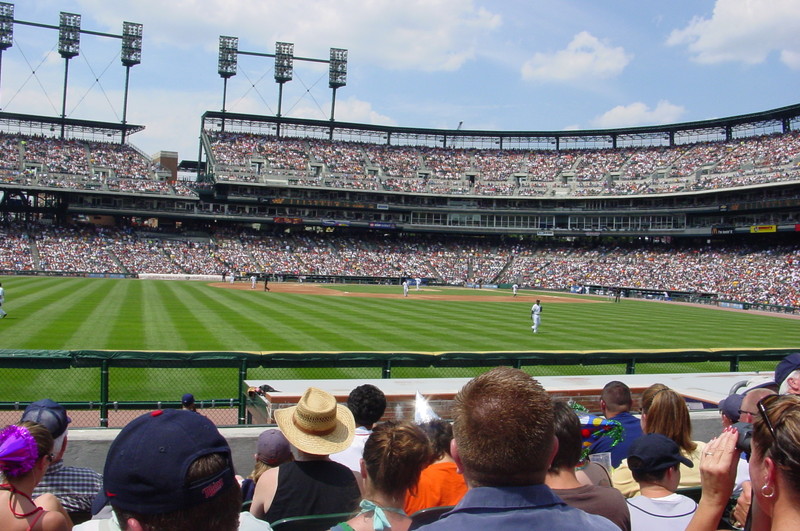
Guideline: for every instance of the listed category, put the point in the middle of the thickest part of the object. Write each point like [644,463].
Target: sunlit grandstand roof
[47,125]
[772,121]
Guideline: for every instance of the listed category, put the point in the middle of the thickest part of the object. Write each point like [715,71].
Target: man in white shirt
[367,403]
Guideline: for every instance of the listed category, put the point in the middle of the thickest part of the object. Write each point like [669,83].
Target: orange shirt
[439,485]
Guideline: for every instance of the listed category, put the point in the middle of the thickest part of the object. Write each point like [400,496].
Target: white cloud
[639,113]
[428,35]
[744,31]
[347,110]
[586,57]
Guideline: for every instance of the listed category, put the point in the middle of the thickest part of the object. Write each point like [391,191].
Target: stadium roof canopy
[781,120]
[50,125]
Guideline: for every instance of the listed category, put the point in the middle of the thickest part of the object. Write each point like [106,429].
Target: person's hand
[739,513]
[718,467]
[717,475]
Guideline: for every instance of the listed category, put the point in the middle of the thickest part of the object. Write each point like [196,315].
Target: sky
[512,65]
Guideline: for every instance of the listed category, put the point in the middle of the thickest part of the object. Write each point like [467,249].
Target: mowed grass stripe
[322,322]
[217,321]
[44,319]
[163,307]
[93,329]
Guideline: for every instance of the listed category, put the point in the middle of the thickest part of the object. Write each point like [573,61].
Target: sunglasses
[762,406]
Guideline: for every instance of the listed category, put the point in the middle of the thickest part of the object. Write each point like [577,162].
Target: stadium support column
[337,77]
[131,56]
[284,71]
[6,29]
[69,43]
[226,67]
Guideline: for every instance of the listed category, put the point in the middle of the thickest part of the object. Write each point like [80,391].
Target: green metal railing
[109,388]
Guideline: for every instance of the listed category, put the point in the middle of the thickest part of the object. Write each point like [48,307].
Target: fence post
[630,368]
[386,373]
[104,394]
[734,364]
[242,401]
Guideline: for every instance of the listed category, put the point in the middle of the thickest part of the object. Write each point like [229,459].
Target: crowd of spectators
[514,456]
[737,273]
[253,158]
[768,276]
[82,165]
[585,172]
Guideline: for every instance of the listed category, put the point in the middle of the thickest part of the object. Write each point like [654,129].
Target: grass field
[77,313]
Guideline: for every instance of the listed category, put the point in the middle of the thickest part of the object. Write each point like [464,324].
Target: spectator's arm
[718,475]
[265,493]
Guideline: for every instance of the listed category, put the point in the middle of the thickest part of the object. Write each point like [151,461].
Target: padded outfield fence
[110,388]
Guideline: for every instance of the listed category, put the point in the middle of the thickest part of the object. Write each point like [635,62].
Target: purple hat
[146,466]
[187,399]
[49,414]
[273,448]
[730,406]
[654,452]
[787,366]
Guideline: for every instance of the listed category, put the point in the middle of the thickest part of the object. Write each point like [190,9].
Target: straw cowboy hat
[317,425]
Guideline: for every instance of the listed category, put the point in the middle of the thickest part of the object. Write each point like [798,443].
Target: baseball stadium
[293,252]
[281,252]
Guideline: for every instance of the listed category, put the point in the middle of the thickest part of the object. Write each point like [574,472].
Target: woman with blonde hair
[25,453]
[394,456]
[664,411]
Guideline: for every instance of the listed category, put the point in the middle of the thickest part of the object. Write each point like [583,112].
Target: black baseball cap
[146,466]
[654,452]
[49,414]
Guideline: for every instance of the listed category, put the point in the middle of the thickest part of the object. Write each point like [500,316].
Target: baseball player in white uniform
[514,288]
[2,300]
[405,288]
[417,281]
[536,315]
[252,282]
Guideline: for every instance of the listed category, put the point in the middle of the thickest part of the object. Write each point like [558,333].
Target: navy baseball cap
[187,399]
[49,414]
[146,466]
[654,452]
[730,406]
[787,366]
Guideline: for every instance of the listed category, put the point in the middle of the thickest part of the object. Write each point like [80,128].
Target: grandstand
[662,209]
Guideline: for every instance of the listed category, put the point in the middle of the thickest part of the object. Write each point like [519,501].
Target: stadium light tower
[284,64]
[6,29]
[131,56]
[226,65]
[69,44]
[337,73]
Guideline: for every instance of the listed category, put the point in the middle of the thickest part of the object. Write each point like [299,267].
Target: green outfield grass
[77,313]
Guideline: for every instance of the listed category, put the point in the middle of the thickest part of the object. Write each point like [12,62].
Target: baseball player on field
[536,315]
